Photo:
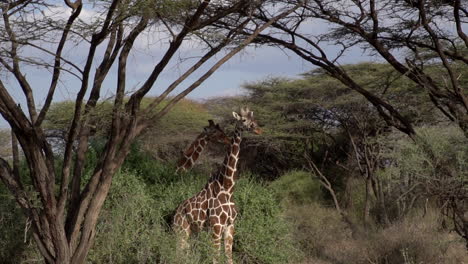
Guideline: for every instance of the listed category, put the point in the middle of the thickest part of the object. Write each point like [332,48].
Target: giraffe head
[246,120]
[215,133]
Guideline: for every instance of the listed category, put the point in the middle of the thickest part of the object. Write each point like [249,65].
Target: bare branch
[73,5]
[456,14]
[197,65]
[435,39]
[58,53]
[16,69]
[223,60]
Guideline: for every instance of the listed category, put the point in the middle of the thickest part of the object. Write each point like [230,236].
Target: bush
[325,238]
[262,234]
[12,222]
[134,224]
[16,243]
[317,230]
[415,239]
[141,163]
[173,130]
[297,187]
[128,225]
[433,169]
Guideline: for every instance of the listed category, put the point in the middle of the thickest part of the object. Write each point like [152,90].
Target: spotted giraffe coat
[214,205]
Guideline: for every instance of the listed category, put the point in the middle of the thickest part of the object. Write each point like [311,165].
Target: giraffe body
[214,206]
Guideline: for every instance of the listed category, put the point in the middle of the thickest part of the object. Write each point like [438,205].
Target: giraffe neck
[192,153]
[230,161]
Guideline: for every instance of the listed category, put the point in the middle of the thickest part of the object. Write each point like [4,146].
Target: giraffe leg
[217,230]
[183,239]
[228,241]
[182,228]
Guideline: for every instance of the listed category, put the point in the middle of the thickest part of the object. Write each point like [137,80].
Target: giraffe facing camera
[247,121]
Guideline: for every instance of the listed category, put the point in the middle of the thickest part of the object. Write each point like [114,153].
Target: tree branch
[223,60]
[58,54]
[16,69]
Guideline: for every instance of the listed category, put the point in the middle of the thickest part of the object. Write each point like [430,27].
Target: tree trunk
[367,203]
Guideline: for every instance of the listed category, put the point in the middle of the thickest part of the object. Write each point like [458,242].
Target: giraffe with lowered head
[214,205]
[190,155]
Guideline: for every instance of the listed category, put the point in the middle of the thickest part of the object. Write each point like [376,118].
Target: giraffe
[210,133]
[214,206]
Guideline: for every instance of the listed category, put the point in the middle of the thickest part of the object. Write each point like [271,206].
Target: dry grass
[325,239]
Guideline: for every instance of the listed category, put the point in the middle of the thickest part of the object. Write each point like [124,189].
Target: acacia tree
[389,28]
[414,37]
[292,33]
[425,41]
[62,212]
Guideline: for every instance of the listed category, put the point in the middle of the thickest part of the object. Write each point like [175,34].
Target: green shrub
[262,235]
[12,222]
[133,229]
[16,242]
[434,167]
[134,224]
[152,172]
[297,187]
[128,224]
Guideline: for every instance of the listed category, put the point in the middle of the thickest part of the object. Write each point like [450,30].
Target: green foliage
[291,102]
[170,10]
[435,165]
[262,235]
[134,225]
[313,114]
[142,164]
[127,228]
[172,131]
[297,187]
[60,115]
[442,145]
[12,232]
[175,130]
[185,117]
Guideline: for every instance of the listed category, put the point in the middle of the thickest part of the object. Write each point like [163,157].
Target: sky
[251,65]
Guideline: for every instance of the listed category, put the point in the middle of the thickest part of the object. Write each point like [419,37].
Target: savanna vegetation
[334,183]
[359,163]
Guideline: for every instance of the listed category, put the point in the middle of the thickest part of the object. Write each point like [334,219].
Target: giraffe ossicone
[214,206]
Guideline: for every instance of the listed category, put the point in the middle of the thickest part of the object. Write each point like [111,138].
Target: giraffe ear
[236,115]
